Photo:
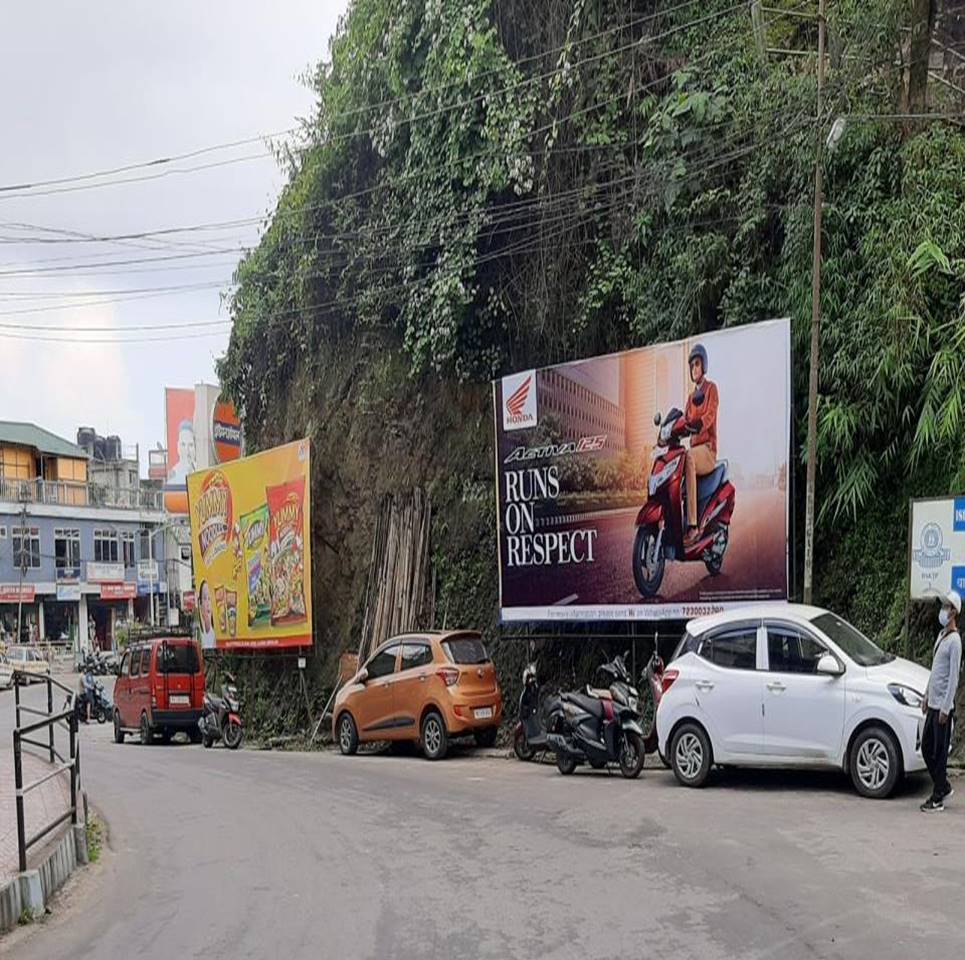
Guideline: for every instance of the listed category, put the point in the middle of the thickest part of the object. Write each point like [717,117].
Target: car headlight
[661,476]
[906,696]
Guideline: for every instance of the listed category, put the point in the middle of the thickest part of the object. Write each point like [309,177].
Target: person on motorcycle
[701,417]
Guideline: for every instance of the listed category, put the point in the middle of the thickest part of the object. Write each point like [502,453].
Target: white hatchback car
[790,686]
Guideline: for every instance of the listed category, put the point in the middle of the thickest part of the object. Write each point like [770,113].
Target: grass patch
[95,838]
[26,916]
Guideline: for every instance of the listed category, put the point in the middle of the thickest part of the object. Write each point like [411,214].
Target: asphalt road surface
[756,554]
[274,855]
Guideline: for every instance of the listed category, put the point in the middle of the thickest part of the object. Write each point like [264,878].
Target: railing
[75,494]
[60,764]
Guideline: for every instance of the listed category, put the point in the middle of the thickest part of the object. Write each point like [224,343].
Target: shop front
[110,606]
[20,601]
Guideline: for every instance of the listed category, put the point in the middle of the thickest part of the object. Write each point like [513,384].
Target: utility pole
[815,323]
[23,562]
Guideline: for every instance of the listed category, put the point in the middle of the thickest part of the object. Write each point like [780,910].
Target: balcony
[67,493]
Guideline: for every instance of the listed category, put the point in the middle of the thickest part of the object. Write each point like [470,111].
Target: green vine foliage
[486,185]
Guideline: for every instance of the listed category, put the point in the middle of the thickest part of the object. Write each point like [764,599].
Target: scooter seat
[706,485]
[591,705]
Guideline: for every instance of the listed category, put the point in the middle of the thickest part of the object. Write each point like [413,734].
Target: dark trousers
[935,739]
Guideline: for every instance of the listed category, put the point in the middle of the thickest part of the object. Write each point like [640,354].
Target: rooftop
[30,435]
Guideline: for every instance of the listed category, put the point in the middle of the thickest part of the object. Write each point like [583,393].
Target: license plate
[180,699]
[483,713]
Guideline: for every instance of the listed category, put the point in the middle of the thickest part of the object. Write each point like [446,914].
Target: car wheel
[632,755]
[691,756]
[875,763]
[118,732]
[565,765]
[435,741]
[348,735]
[145,730]
[486,738]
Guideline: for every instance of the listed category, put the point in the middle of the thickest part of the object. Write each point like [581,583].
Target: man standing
[701,417]
[939,704]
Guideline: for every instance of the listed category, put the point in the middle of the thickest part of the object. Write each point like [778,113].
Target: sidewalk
[41,805]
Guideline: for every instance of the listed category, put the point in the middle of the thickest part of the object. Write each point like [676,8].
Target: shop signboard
[118,591]
[250,541]
[98,572]
[936,560]
[17,592]
[592,515]
[147,571]
[69,592]
[68,574]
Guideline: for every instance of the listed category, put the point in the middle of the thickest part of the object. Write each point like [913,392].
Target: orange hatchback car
[425,687]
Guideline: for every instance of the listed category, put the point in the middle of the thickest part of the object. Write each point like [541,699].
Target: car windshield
[854,643]
[177,658]
[466,650]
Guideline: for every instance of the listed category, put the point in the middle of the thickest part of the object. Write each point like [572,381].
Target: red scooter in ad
[661,521]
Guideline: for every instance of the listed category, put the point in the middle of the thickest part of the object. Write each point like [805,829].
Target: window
[135,663]
[688,644]
[26,547]
[125,665]
[383,663]
[177,658]
[466,650]
[67,548]
[734,648]
[790,651]
[854,643]
[3,533]
[145,661]
[105,546]
[415,655]
[127,548]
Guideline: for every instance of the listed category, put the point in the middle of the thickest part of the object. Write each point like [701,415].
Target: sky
[91,87]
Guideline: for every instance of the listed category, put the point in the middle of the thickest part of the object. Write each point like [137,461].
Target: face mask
[943,617]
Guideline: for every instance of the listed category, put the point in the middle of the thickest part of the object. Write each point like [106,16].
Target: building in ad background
[70,546]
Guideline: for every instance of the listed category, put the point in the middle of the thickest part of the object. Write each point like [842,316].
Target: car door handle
[776,686]
[704,685]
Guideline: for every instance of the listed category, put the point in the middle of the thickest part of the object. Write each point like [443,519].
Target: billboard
[592,494]
[937,550]
[201,431]
[250,536]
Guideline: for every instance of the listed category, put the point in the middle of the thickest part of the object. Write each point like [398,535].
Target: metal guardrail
[60,763]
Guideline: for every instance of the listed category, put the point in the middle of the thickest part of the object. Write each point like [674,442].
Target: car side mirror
[656,419]
[829,666]
[362,675]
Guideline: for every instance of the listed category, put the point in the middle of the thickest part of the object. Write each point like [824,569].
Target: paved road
[269,855]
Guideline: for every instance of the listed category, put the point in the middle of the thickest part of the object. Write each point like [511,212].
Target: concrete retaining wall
[34,888]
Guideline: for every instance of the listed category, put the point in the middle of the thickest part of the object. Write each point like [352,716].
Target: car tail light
[448,675]
[668,678]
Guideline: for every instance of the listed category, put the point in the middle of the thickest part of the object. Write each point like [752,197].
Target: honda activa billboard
[646,484]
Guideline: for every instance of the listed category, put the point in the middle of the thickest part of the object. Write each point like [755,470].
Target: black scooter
[599,727]
[530,736]
[221,717]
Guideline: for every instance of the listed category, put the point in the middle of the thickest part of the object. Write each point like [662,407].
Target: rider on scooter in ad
[701,417]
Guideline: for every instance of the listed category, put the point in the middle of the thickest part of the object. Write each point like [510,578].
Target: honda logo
[519,400]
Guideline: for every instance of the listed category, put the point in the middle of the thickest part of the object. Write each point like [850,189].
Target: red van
[159,690]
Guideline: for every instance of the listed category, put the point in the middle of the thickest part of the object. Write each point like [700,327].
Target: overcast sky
[89,87]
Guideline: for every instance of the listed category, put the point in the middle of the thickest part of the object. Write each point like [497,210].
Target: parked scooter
[221,717]
[599,726]
[530,736]
[660,522]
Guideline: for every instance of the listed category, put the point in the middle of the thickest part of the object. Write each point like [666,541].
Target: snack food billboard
[591,495]
[250,536]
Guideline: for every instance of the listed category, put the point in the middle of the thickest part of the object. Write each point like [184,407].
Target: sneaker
[932,806]
[950,792]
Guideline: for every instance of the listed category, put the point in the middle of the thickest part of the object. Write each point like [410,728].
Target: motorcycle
[221,717]
[660,522]
[92,702]
[599,727]
[530,736]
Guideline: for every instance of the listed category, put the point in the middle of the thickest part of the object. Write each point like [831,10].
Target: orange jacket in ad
[706,413]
